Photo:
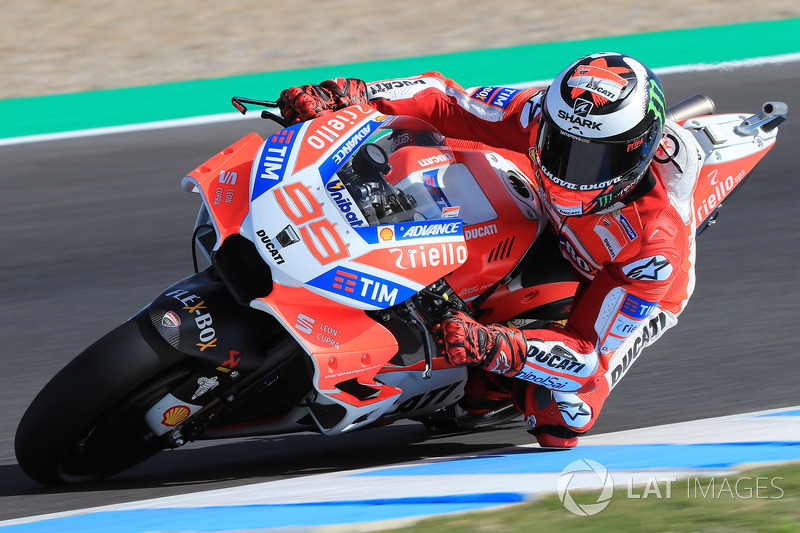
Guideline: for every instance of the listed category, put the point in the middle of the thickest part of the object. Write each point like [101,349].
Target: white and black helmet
[602,121]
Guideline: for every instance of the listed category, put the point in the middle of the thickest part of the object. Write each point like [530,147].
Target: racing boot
[557,419]
[487,401]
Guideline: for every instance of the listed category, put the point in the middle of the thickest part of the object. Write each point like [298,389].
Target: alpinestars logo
[576,414]
[656,268]
[501,364]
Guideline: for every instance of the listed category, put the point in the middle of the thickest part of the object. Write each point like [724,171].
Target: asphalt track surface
[93,228]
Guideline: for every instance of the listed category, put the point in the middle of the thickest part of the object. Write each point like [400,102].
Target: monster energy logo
[604,200]
[656,102]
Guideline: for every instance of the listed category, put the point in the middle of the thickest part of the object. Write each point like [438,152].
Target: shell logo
[386,234]
[175,415]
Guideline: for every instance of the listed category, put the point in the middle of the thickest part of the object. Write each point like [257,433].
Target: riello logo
[422,256]
[327,130]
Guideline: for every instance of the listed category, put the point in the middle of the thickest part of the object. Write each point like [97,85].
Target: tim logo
[637,308]
[370,290]
[582,107]
[270,166]
[498,97]
[344,281]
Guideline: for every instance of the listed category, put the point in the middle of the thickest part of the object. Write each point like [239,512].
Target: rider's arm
[495,116]
[488,115]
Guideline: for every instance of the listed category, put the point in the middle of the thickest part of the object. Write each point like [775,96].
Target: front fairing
[325,220]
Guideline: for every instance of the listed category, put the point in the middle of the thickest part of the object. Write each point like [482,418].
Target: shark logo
[582,107]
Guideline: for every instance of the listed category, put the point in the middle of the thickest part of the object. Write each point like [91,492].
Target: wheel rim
[119,438]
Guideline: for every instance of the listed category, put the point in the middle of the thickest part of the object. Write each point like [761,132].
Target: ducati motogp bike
[332,248]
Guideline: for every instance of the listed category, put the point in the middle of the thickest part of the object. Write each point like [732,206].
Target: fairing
[342,234]
[730,156]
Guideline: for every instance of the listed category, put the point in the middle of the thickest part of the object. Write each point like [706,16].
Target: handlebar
[239,103]
[693,106]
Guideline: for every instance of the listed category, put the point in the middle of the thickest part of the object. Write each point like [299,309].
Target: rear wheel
[88,421]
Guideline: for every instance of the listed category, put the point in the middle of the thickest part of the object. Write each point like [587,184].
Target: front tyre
[88,421]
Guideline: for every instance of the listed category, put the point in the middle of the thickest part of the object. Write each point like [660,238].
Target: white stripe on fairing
[227,117]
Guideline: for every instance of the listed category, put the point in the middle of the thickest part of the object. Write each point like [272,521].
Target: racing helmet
[601,123]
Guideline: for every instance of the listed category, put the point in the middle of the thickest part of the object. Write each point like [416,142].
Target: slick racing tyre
[88,421]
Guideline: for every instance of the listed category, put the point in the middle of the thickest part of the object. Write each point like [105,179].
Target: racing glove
[495,348]
[347,91]
[298,104]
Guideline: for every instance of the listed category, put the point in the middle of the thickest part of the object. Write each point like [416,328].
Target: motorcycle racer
[615,178]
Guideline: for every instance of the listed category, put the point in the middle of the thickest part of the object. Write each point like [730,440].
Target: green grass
[696,505]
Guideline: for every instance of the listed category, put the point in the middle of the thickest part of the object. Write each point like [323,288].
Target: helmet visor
[573,163]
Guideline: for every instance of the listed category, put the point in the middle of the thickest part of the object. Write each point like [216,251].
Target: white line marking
[696,67]
[227,117]
[345,485]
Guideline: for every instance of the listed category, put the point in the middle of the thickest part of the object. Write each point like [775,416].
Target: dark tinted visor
[593,165]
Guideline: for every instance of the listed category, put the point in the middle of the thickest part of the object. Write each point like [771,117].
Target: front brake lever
[239,103]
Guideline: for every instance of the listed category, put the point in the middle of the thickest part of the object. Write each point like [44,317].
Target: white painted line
[113,130]
[349,485]
[227,117]
[696,67]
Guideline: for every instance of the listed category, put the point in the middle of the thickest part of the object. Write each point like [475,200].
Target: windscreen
[392,177]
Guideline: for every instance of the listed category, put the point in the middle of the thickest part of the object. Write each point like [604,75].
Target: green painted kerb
[67,112]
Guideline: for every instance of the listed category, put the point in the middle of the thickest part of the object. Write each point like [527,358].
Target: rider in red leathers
[615,178]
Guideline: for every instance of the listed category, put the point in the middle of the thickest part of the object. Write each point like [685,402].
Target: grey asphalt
[93,228]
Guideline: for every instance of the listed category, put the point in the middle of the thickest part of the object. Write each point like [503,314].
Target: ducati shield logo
[604,82]
[171,320]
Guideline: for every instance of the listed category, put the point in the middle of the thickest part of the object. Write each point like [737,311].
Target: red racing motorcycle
[333,246]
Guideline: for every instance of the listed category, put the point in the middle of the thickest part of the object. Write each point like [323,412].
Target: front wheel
[88,421]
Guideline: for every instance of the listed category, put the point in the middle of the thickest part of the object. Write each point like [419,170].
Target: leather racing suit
[635,260]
